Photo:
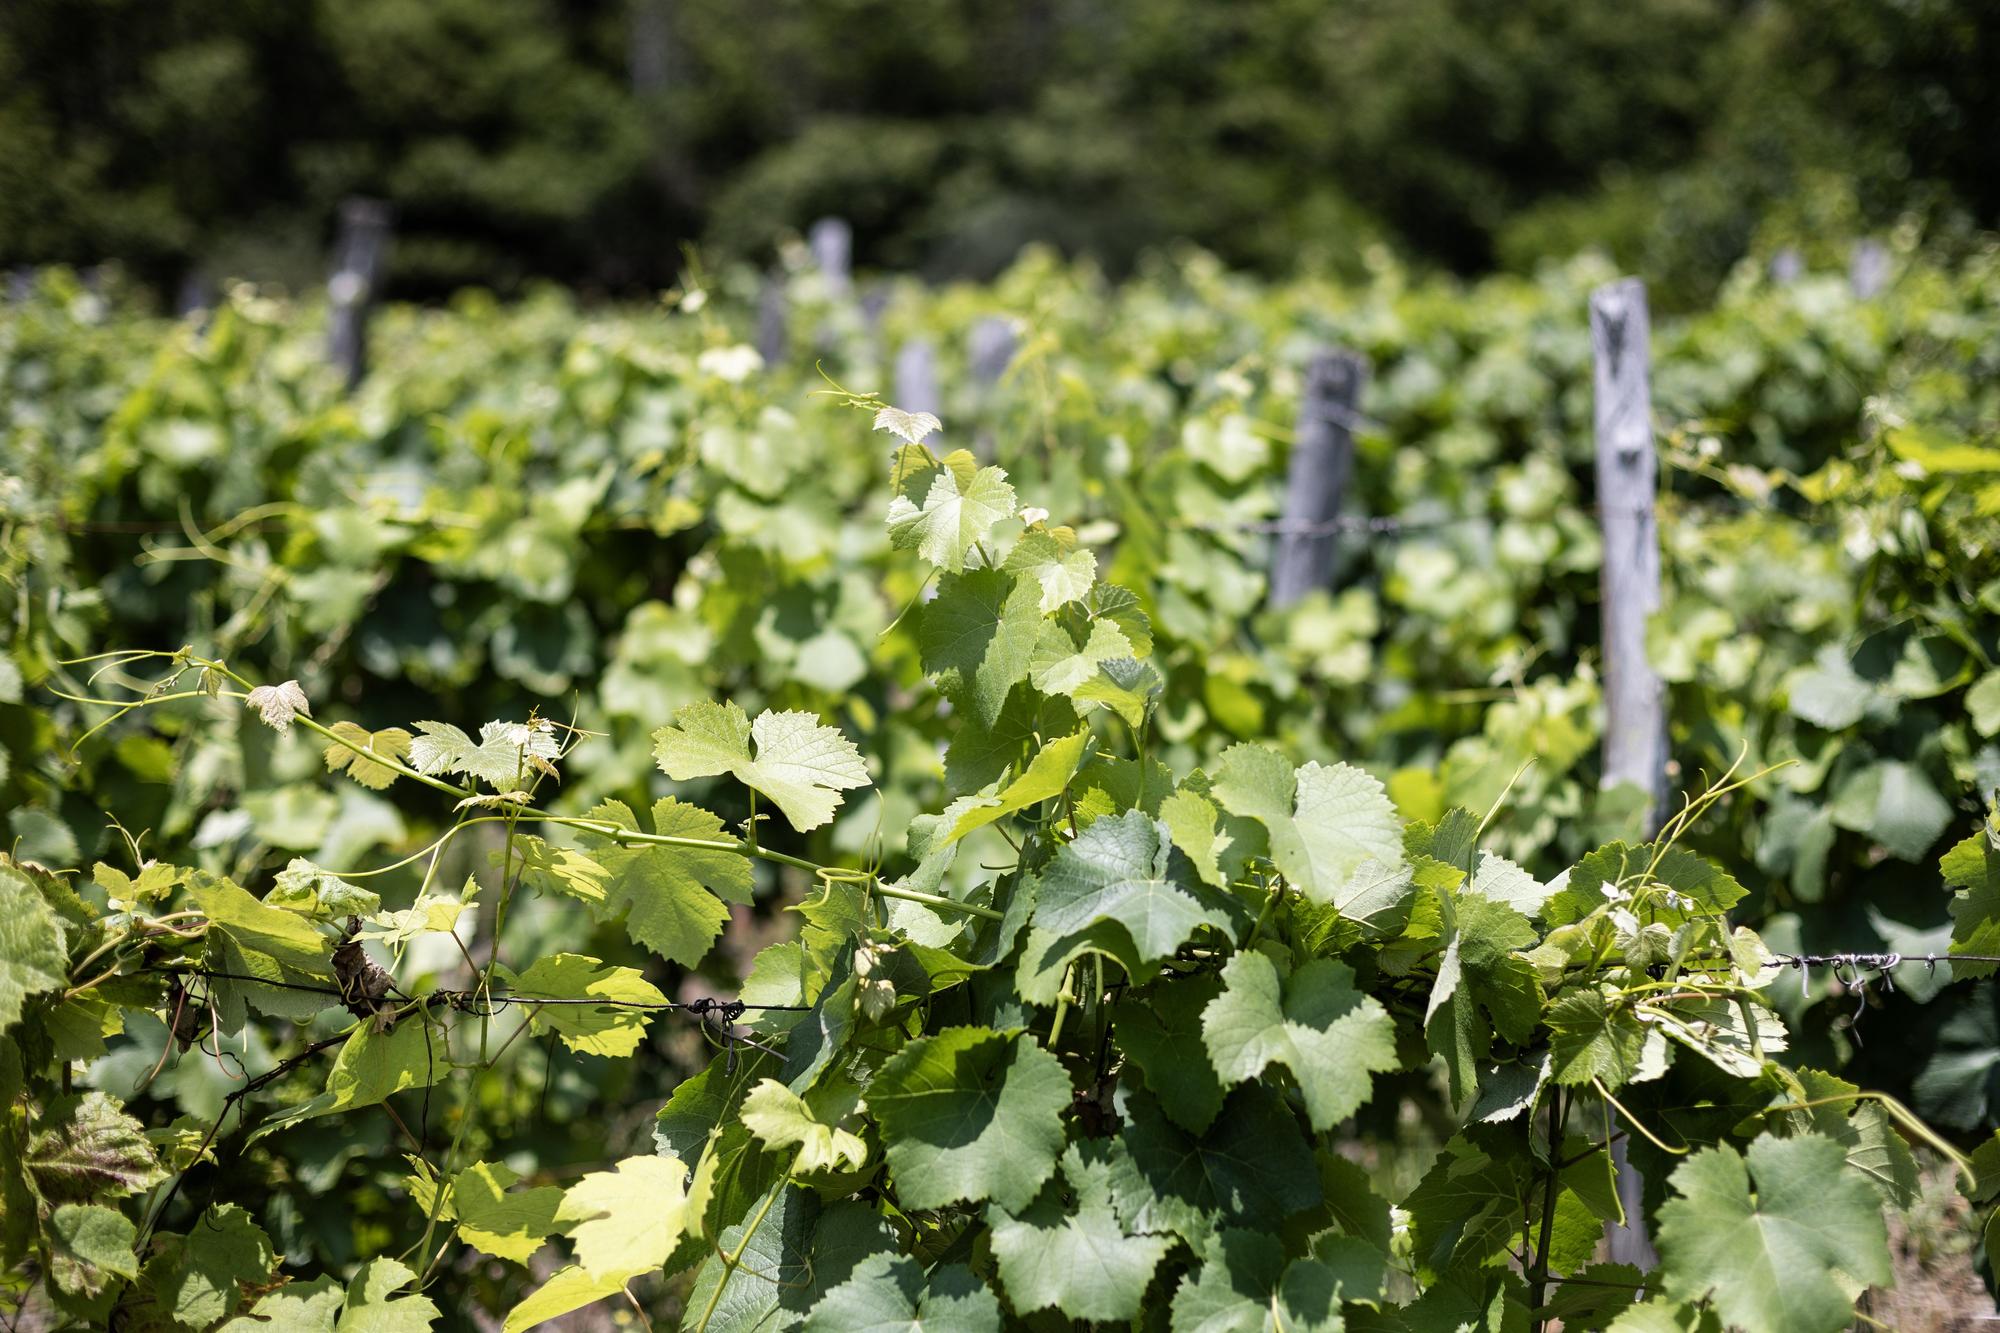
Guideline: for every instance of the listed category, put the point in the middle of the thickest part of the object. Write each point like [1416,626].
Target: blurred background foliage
[588,140]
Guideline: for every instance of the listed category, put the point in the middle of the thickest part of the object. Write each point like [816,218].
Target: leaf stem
[730,1262]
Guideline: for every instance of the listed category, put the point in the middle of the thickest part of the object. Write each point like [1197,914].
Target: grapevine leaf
[1051,557]
[1045,778]
[626,1221]
[1191,820]
[1315,1023]
[910,426]
[802,1250]
[1126,687]
[567,1290]
[1121,886]
[673,898]
[970,1114]
[890,1292]
[1466,1210]
[1245,1285]
[1590,1039]
[1864,1129]
[1156,1031]
[89,1246]
[1972,870]
[200,1277]
[278,704]
[1075,1259]
[1895,804]
[610,1027]
[961,502]
[431,913]
[503,758]
[1333,832]
[32,956]
[1250,1168]
[373,1306]
[305,888]
[551,869]
[783,1119]
[84,1149]
[372,1067]
[802,765]
[296,1307]
[1061,665]
[1773,1239]
[978,756]
[501,1221]
[247,939]
[977,639]
[370,772]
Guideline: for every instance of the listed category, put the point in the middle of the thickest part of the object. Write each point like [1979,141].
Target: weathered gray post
[916,377]
[989,349]
[773,323]
[1635,706]
[1316,480]
[1868,269]
[1787,266]
[360,248]
[832,243]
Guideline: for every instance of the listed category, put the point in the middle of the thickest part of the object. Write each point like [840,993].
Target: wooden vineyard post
[1868,269]
[773,321]
[1787,266]
[1316,480]
[832,243]
[916,377]
[360,248]
[1635,712]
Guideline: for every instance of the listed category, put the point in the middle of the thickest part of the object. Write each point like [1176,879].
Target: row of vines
[593,817]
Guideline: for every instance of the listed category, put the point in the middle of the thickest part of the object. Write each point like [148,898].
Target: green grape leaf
[499,1220]
[610,1027]
[1774,1238]
[278,704]
[1193,823]
[247,939]
[909,426]
[783,1119]
[1895,804]
[305,888]
[372,1067]
[970,1114]
[1466,1210]
[1874,1146]
[1972,870]
[1156,1029]
[977,638]
[961,502]
[33,958]
[1060,665]
[803,1251]
[891,1292]
[1075,1259]
[1315,1023]
[1051,557]
[505,758]
[89,1247]
[430,914]
[626,1221]
[1046,777]
[1119,881]
[296,1307]
[802,765]
[1250,1168]
[1591,1039]
[373,1306]
[392,743]
[674,899]
[85,1149]
[568,1289]
[1482,987]
[1124,686]
[199,1279]
[1245,1285]
[977,756]
[1334,833]
[547,868]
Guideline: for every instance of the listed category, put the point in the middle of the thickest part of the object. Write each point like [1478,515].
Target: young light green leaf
[802,765]
[1590,1039]
[783,1119]
[90,1246]
[1773,1240]
[970,1114]
[367,769]
[199,1279]
[1050,556]
[567,1289]
[910,426]
[626,1221]
[613,1026]
[961,502]
[497,1219]
[373,1306]
[1315,1023]
[674,899]
[1061,665]
[1045,778]
[505,758]
[1333,832]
